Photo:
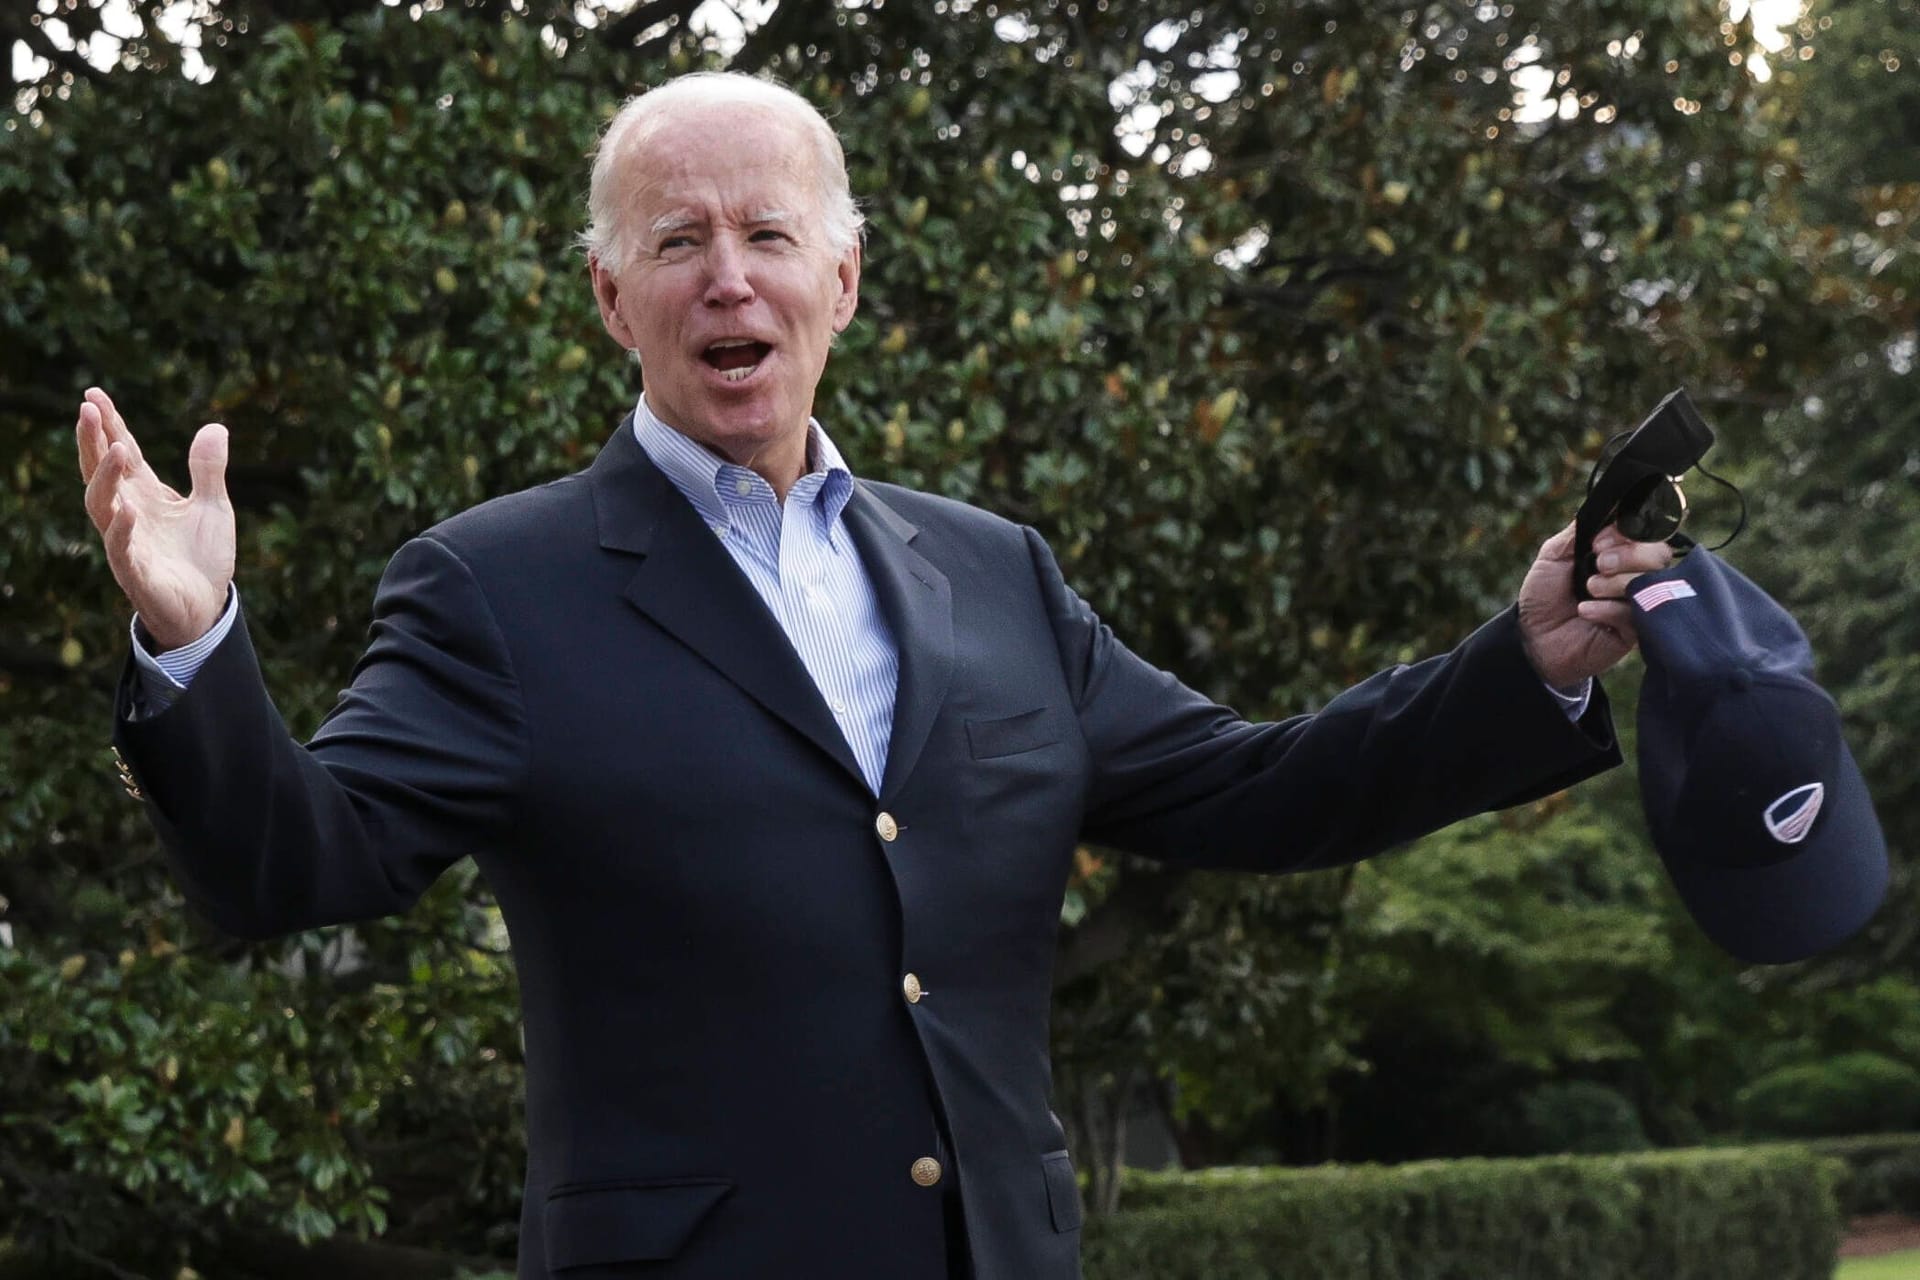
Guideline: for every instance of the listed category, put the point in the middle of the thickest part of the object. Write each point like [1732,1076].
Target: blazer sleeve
[419,763]
[1405,752]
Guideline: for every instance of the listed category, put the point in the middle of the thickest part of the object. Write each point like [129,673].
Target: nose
[727,283]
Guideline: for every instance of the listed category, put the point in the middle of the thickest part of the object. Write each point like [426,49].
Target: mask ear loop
[1739,524]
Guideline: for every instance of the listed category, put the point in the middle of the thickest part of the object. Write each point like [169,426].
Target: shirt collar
[711,483]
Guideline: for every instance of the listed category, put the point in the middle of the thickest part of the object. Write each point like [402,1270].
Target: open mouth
[736,358]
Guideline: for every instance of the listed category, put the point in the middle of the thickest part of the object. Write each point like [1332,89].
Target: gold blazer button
[889,829]
[926,1171]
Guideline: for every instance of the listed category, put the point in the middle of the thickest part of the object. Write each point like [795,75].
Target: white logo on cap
[1791,816]
[1651,598]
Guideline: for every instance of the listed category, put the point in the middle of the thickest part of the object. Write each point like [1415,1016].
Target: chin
[743,433]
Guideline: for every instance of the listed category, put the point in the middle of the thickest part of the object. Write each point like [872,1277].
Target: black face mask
[1636,484]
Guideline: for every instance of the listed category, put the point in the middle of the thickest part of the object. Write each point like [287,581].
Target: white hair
[607,239]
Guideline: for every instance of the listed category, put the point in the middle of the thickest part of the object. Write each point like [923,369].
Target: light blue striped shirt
[798,556]
[165,676]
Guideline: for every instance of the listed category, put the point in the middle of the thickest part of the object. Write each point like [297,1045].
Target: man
[776,774]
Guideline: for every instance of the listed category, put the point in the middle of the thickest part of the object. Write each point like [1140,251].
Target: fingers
[117,534]
[1613,616]
[97,429]
[207,463]
[103,490]
[1622,561]
[91,440]
[114,425]
[1559,546]
[1609,538]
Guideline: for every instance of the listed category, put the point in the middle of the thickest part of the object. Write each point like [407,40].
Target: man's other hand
[173,556]
[1569,641]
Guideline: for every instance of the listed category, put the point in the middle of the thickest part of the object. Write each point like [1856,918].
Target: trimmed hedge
[1883,1171]
[1749,1214]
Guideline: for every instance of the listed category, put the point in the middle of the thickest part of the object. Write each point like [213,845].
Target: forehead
[720,155]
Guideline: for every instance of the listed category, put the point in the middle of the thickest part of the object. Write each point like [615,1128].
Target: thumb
[1559,546]
[207,463]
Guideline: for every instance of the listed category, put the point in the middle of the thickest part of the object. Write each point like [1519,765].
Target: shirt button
[889,829]
[720,529]
[911,986]
[839,708]
[926,1171]
[743,486]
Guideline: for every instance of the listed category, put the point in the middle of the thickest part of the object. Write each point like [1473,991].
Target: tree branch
[98,1263]
[627,28]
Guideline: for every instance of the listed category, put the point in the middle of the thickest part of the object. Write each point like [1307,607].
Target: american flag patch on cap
[1651,598]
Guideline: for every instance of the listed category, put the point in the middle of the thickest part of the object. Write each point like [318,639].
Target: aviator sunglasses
[1654,506]
[1636,484]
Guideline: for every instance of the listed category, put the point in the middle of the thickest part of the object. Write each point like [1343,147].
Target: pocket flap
[626,1221]
[1010,735]
[1063,1193]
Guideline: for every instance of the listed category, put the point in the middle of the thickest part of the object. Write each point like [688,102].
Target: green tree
[1441,304]
[1859,102]
[1835,476]
[1289,340]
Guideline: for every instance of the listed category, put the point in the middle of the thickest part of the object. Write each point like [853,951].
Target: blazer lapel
[918,601]
[690,587]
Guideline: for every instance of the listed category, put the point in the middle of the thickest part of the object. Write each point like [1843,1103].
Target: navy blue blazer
[713,919]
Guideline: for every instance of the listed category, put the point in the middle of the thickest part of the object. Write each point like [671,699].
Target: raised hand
[173,556]
[1568,642]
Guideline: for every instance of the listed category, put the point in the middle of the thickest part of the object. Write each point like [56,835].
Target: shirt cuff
[165,676]
[1574,698]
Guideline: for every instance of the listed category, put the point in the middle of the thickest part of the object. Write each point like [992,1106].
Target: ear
[849,300]
[606,292]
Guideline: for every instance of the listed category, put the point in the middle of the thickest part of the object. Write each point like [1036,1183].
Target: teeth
[732,344]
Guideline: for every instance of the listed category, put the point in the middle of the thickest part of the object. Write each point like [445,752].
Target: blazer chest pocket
[1010,735]
[605,1222]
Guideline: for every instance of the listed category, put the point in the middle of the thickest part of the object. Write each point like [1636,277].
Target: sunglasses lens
[1652,511]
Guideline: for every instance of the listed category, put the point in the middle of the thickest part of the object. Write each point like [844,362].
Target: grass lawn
[1904,1265]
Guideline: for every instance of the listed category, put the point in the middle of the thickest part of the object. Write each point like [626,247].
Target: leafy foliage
[1293,372]
[1582,1116]
[1852,1093]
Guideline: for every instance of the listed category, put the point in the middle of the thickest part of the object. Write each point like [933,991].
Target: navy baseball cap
[1755,804]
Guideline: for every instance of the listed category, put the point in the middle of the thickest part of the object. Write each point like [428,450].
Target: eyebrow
[668,223]
[673,222]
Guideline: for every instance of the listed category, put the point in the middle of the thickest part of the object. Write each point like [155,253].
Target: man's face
[729,292]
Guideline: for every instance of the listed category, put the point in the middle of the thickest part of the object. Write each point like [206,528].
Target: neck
[781,462]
